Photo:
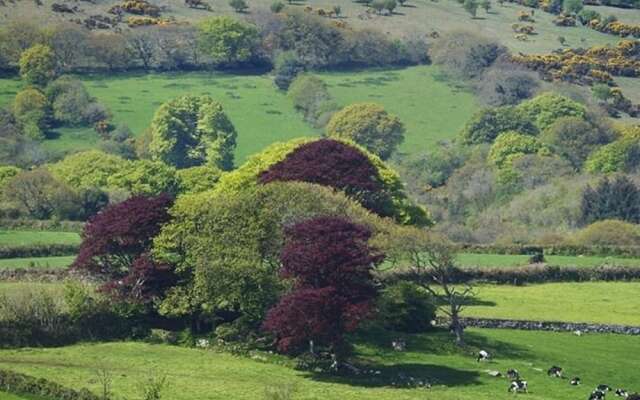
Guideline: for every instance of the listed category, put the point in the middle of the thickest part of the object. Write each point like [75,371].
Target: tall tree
[611,199]
[38,65]
[226,40]
[193,130]
[330,263]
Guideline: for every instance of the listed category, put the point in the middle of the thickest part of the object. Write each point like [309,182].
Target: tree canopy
[227,40]
[369,125]
[38,65]
[192,130]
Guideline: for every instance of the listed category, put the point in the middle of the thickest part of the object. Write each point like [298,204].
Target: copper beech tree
[116,244]
[330,264]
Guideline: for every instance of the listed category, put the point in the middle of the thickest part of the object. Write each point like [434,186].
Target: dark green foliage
[487,124]
[38,250]
[286,70]
[574,139]
[17,383]
[404,307]
[611,199]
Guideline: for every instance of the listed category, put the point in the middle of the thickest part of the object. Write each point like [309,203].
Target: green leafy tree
[574,139]
[193,130]
[487,124]
[601,92]
[510,144]
[617,198]
[226,40]
[622,155]
[6,173]
[88,169]
[369,125]
[277,6]
[38,65]
[198,179]
[390,5]
[146,177]
[546,108]
[378,5]
[32,111]
[310,96]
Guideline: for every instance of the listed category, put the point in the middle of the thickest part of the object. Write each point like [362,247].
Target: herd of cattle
[520,385]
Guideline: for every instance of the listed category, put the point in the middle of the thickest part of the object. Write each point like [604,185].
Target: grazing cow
[597,395]
[575,381]
[555,372]
[622,393]
[483,356]
[513,374]
[603,388]
[518,385]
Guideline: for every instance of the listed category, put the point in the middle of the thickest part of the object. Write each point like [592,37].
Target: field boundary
[558,250]
[553,326]
[39,250]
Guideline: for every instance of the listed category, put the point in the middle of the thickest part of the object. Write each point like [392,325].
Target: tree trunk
[457,327]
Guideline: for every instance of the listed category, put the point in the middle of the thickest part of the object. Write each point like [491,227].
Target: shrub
[405,307]
[506,85]
[198,179]
[622,155]
[226,40]
[72,104]
[510,145]
[38,65]
[31,109]
[608,233]
[146,177]
[465,54]
[21,384]
[286,69]
[239,6]
[369,125]
[611,199]
[310,96]
[546,108]
[574,139]
[487,124]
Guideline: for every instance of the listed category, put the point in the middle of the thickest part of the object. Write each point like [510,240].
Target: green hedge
[39,250]
[13,382]
[559,250]
[41,225]
[531,274]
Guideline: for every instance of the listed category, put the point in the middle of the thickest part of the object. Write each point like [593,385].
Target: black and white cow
[622,393]
[597,395]
[513,374]
[575,381]
[483,356]
[555,371]
[518,385]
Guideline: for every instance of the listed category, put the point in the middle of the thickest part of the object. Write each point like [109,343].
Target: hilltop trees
[192,130]
[369,125]
[330,263]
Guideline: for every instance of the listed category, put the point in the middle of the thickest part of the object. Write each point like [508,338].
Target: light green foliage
[572,6]
[31,109]
[487,124]
[145,177]
[311,97]
[608,232]
[26,238]
[620,155]
[546,108]
[226,40]
[471,6]
[37,262]
[89,169]
[369,125]
[245,176]
[198,179]
[227,244]
[510,145]
[6,173]
[38,65]
[192,130]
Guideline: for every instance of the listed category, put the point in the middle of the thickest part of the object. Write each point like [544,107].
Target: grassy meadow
[596,302]
[25,238]
[517,260]
[263,115]
[208,375]
[36,262]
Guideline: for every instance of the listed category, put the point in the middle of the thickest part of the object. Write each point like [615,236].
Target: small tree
[38,65]
[226,40]
[390,5]
[611,199]
[602,92]
[239,6]
[572,6]
[330,263]
[277,7]
[378,5]
[471,6]
[486,5]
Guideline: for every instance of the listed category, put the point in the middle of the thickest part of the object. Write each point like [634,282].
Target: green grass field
[597,302]
[24,238]
[263,115]
[511,260]
[37,262]
[203,375]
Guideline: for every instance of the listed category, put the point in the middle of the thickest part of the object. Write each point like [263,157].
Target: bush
[369,125]
[611,199]
[227,41]
[574,139]
[311,97]
[405,307]
[506,85]
[21,384]
[38,250]
[622,155]
[286,69]
[510,145]
[38,65]
[465,54]
[546,108]
[608,233]
[487,124]
[31,110]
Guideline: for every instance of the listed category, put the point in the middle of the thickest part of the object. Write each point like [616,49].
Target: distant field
[263,115]
[207,375]
[13,288]
[37,262]
[23,238]
[509,260]
[597,302]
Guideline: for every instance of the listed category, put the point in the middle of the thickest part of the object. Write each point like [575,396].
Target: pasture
[36,262]
[596,302]
[26,238]
[209,375]
[517,260]
[263,115]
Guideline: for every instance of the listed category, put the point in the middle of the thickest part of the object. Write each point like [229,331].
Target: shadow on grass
[392,375]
